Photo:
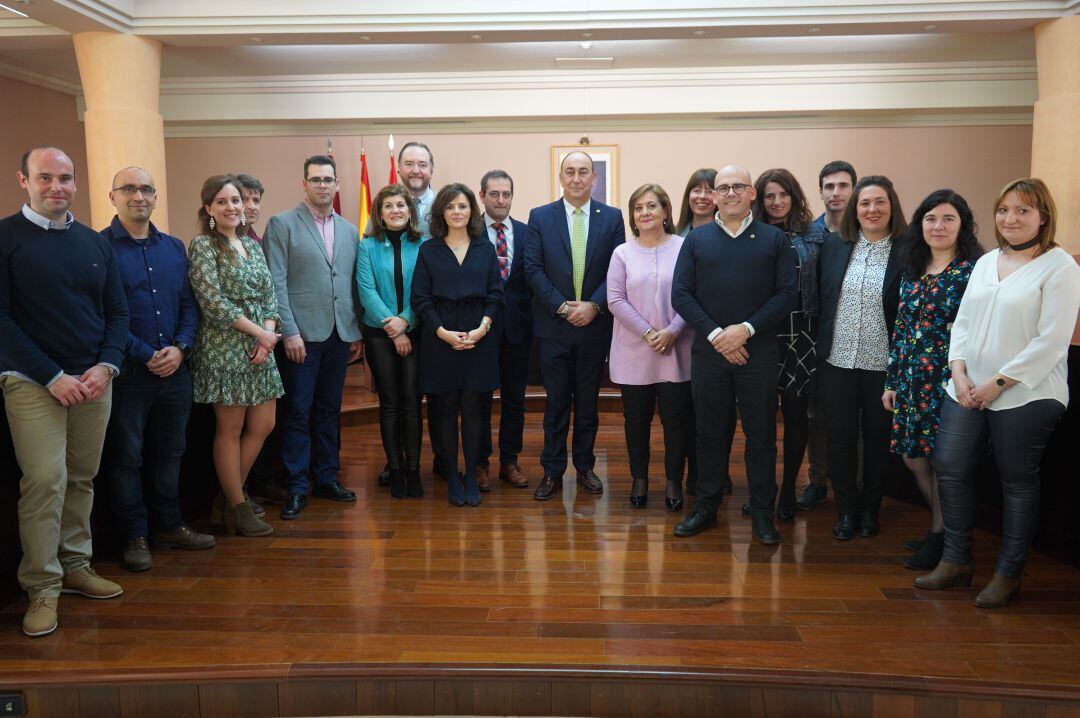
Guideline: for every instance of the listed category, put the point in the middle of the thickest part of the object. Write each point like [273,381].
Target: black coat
[456,297]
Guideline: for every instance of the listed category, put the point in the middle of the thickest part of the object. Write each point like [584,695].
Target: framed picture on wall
[605,162]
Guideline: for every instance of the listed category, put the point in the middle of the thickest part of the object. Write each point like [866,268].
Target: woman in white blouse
[1008,358]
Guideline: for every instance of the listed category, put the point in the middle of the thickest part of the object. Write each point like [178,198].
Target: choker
[1025,245]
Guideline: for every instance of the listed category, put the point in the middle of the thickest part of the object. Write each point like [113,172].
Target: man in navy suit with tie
[514,329]
[566,263]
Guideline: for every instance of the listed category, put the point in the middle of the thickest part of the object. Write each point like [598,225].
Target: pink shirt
[325,225]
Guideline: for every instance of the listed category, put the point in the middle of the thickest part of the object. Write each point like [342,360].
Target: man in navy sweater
[63,327]
[735,282]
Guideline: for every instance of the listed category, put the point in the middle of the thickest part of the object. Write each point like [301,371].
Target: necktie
[500,249]
[577,251]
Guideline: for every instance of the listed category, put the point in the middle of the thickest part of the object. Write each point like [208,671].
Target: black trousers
[718,385]
[513,375]
[398,384]
[676,404]
[796,435]
[471,407]
[571,369]
[852,401]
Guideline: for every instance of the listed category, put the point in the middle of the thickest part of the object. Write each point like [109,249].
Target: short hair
[495,174]
[437,224]
[24,164]
[252,184]
[799,218]
[378,227]
[849,221]
[834,167]
[421,145]
[915,252]
[1035,192]
[592,164]
[706,175]
[319,160]
[665,202]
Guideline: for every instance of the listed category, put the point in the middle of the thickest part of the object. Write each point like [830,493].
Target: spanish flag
[393,165]
[365,193]
[337,195]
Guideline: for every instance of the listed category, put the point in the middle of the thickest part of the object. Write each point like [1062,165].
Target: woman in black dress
[457,292]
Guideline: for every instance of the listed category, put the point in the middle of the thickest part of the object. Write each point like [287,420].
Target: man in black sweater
[735,282]
[63,328]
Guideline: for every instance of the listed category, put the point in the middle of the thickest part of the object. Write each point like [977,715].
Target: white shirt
[586,208]
[423,209]
[1019,327]
[44,222]
[508,232]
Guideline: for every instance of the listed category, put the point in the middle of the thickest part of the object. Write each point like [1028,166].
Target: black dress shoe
[868,523]
[334,491]
[639,493]
[384,475]
[844,529]
[765,531]
[785,516]
[549,486]
[294,506]
[745,510]
[701,519]
[589,481]
[812,495]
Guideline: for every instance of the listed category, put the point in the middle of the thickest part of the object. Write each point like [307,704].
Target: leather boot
[947,575]
[397,483]
[999,592]
[413,488]
[243,520]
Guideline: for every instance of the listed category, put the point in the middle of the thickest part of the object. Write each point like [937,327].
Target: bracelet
[647,334]
[486,322]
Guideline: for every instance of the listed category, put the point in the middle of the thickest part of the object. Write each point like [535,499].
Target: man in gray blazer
[311,252]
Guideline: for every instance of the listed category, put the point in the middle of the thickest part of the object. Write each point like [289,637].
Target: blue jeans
[149,421]
[1018,437]
[313,412]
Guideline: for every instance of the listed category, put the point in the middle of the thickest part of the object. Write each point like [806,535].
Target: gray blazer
[314,295]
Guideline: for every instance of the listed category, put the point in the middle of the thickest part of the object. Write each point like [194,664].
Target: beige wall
[975,161]
[32,116]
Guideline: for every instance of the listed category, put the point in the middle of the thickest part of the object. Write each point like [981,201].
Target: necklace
[1025,245]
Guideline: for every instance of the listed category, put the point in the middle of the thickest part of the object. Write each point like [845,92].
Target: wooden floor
[406,593]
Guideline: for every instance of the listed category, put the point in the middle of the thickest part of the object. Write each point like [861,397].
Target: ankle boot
[929,553]
[397,483]
[999,592]
[243,520]
[947,575]
[414,489]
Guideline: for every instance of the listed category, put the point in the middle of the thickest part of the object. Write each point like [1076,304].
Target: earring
[243,219]
[212,222]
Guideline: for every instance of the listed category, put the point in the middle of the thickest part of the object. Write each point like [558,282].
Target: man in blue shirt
[152,396]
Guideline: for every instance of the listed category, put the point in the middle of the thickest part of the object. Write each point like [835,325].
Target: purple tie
[500,249]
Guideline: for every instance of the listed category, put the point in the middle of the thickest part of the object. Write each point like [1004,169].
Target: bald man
[153,392]
[735,283]
[63,327]
[567,254]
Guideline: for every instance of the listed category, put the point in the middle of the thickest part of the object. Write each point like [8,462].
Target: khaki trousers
[58,449]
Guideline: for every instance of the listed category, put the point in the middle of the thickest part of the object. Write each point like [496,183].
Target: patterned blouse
[861,339]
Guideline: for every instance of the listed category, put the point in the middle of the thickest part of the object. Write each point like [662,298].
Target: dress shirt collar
[742,227]
[119,231]
[586,208]
[885,241]
[506,223]
[425,199]
[315,212]
[46,223]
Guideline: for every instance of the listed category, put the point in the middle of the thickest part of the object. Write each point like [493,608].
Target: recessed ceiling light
[930,27]
[699,33]
[256,39]
[475,37]
[365,38]
[584,45]
[814,30]
[586,35]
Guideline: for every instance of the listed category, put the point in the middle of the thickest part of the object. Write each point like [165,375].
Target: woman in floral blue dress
[940,250]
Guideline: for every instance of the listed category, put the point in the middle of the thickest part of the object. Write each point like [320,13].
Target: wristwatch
[1000,382]
[183,347]
[563,311]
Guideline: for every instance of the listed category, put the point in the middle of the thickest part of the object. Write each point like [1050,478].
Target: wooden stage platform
[580,606]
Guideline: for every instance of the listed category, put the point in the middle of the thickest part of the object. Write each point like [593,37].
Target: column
[1055,141]
[121,81]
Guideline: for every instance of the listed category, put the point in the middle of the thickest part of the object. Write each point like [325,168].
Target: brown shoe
[513,475]
[40,618]
[184,537]
[947,575]
[999,592]
[136,555]
[86,582]
[242,519]
[589,481]
[549,486]
[483,478]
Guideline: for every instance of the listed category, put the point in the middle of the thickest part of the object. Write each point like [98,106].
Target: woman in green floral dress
[233,361]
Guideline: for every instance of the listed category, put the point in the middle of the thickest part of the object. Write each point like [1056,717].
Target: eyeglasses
[410,165]
[321,181]
[494,194]
[738,189]
[131,189]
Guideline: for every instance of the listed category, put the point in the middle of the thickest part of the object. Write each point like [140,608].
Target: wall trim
[51,82]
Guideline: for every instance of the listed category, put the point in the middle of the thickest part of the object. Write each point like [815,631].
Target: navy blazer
[549,266]
[517,319]
[832,266]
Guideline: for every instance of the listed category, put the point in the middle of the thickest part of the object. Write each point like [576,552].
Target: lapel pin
[753,236]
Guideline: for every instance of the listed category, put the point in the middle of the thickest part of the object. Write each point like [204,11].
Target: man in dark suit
[514,329]
[566,263]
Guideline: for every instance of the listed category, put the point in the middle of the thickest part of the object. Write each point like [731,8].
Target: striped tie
[501,249]
[577,251]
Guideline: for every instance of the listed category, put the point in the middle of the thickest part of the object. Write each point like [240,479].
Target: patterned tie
[577,251]
[500,249]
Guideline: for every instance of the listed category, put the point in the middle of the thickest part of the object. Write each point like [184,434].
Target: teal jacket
[375,278]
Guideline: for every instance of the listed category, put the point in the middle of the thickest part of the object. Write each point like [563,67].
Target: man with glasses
[63,328]
[152,396]
[735,283]
[311,252]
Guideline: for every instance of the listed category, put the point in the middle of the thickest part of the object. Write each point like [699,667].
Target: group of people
[871,335]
